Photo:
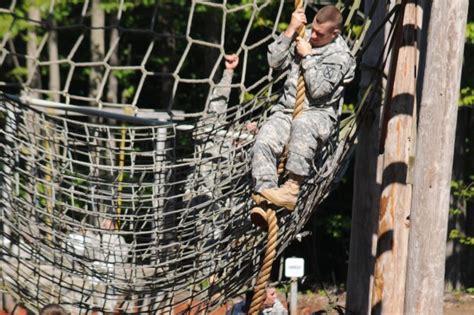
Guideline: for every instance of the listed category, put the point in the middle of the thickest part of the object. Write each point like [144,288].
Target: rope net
[106,205]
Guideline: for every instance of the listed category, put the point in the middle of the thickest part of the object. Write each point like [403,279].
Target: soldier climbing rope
[92,208]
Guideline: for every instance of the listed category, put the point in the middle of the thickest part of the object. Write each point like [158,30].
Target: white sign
[294,267]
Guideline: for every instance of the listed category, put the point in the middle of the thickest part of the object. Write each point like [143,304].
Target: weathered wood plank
[433,166]
[366,185]
[395,201]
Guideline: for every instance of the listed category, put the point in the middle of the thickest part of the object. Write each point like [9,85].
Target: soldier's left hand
[303,47]
[252,127]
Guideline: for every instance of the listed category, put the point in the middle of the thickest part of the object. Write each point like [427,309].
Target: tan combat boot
[287,195]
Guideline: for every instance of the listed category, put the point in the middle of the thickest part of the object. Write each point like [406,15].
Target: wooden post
[395,201]
[365,203]
[433,165]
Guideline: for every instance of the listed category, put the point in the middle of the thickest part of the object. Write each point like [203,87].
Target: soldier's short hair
[53,309]
[329,13]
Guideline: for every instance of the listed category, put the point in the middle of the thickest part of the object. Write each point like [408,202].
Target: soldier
[220,94]
[53,309]
[326,64]
[209,144]
[271,305]
[216,142]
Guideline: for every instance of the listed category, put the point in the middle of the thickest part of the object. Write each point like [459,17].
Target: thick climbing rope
[300,95]
[266,268]
[270,215]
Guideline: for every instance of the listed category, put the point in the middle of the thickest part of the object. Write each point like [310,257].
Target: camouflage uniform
[276,309]
[220,97]
[324,70]
[213,150]
[241,308]
[210,147]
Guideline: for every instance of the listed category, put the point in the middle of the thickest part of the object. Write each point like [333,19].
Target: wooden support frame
[398,152]
[434,158]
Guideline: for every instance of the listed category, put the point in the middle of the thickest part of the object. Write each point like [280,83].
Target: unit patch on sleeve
[330,72]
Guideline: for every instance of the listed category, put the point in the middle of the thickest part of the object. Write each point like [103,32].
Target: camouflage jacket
[220,97]
[215,113]
[325,71]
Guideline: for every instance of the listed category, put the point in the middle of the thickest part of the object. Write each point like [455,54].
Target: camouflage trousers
[303,136]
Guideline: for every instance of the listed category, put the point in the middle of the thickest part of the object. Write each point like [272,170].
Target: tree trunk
[34,14]
[97,51]
[366,186]
[454,249]
[468,255]
[212,29]
[112,91]
[54,74]
[167,47]
[435,145]
[390,267]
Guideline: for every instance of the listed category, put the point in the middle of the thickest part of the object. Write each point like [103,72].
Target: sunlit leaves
[470,32]
[466,97]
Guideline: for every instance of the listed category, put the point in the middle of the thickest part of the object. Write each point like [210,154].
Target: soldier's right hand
[298,19]
[231,61]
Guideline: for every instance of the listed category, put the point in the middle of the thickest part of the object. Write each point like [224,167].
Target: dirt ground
[331,303]
[459,304]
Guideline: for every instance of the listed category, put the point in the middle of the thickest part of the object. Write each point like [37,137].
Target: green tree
[459,270]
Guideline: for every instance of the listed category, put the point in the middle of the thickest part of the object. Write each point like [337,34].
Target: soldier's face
[270,297]
[322,34]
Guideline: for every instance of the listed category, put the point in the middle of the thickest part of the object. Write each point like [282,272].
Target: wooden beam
[398,151]
[366,196]
[433,165]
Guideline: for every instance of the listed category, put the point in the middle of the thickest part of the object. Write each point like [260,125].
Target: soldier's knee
[261,145]
[303,125]
[270,143]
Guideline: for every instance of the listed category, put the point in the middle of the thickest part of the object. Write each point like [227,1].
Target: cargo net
[106,205]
